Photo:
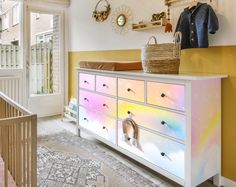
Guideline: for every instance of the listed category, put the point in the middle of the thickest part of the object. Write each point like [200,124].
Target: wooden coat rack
[178,3]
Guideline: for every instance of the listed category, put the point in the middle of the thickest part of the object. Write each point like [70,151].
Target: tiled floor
[52,125]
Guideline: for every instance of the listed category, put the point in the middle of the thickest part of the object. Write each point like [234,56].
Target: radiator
[11,86]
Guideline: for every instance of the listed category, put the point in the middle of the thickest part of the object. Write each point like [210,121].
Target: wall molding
[227,182]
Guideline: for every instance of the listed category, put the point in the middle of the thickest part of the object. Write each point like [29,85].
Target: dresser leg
[78,133]
[217,180]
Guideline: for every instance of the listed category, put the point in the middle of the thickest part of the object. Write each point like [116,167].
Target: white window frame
[5,21]
[15,14]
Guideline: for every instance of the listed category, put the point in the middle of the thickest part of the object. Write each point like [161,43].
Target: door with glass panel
[45,80]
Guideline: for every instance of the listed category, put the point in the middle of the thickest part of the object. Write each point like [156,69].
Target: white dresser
[170,123]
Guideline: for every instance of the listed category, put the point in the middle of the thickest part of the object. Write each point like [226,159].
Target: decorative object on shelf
[149,25]
[157,17]
[121,19]
[162,58]
[101,15]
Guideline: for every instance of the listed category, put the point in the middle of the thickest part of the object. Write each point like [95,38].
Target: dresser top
[182,76]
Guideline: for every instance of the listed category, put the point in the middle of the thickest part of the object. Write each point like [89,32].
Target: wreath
[101,15]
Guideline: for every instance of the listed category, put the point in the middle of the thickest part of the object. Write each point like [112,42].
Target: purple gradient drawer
[101,125]
[164,153]
[168,123]
[94,101]
[106,85]
[86,99]
[87,81]
[166,95]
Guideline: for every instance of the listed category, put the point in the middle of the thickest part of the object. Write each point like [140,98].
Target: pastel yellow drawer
[162,152]
[166,95]
[131,89]
[106,85]
[101,125]
[101,103]
[168,123]
[87,81]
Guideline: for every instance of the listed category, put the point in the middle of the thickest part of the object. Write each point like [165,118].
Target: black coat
[195,24]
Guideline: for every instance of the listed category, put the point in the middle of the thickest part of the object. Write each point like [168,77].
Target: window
[5,21]
[15,15]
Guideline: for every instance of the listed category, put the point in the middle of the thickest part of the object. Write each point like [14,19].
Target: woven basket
[162,58]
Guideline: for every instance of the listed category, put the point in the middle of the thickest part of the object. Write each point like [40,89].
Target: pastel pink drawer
[94,101]
[106,85]
[87,99]
[166,95]
[101,125]
[87,81]
[131,89]
[168,123]
[162,152]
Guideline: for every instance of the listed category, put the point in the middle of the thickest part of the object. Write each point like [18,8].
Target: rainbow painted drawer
[166,95]
[101,103]
[131,89]
[101,125]
[87,81]
[162,152]
[106,85]
[169,123]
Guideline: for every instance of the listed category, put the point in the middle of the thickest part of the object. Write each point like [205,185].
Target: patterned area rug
[65,160]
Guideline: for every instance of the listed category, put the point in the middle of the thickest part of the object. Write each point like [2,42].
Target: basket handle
[152,37]
[177,43]
[99,3]
[178,38]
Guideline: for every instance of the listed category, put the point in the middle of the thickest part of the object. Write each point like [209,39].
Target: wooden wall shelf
[149,25]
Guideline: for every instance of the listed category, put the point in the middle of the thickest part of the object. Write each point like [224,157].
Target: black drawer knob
[128,139]
[103,127]
[163,95]
[86,99]
[128,90]
[163,122]
[85,119]
[104,85]
[86,82]
[163,154]
[128,112]
[104,104]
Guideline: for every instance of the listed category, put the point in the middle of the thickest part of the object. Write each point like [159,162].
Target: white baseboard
[227,182]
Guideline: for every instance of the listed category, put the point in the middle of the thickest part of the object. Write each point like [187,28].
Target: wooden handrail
[15,105]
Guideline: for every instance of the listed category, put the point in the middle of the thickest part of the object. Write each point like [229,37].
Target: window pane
[45,54]
[10,35]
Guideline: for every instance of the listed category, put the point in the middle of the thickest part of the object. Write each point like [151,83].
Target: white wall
[87,35]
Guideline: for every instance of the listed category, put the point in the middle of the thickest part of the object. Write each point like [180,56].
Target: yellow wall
[221,60]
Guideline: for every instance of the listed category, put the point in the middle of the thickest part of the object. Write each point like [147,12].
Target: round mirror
[121,20]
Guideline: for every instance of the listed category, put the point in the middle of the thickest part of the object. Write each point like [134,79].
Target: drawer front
[165,122]
[106,85]
[99,124]
[87,81]
[166,95]
[131,89]
[94,101]
[162,152]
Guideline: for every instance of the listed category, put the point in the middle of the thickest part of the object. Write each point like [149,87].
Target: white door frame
[49,8]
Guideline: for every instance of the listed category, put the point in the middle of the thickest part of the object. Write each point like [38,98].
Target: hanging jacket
[195,24]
